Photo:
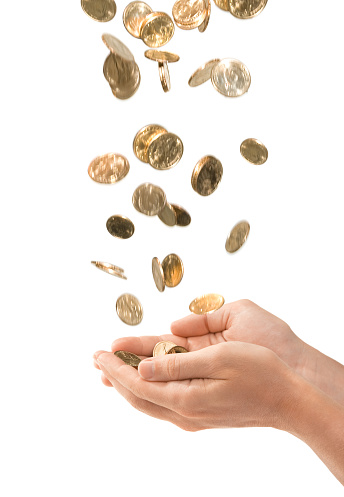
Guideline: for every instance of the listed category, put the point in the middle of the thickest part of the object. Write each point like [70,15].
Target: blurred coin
[165,151]
[189,14]
[133,16]
[205,23]
[160,56]
[222,4]
[110,269]
[129,358]
[177,349]
[183,217]
[206,175]
[157,29]
[126,90]
[117,47]
[158,274]
[206,303]
[120,227]
[149,199]
[143,138]
[254,151]
[164,75]
[129,309]
[203,73]
[108,168]
[100,10]
[123,76]
[173,269]
[168,215]
[231,78]
[245,9]
[237,236]
[162,348]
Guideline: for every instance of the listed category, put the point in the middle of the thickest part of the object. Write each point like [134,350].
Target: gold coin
[222,4]
[245,9]
[183,217]
[108,168]
[123,76]
[162,348]
[206,303]
[129,358]
[160,56]
[189,14]
[100,10]
[206,175]
[254,151]
[165,151]
[110,269]
[237,236]
[231,78]
[129,309]
[133,16]
[143,139]
[177,349]
[117,47]
[203,73]
[158,274]
[205,23]
[126,91]
[157,29]
[149,199]
[120,227]
[173,269]
[164,75]
[168,215]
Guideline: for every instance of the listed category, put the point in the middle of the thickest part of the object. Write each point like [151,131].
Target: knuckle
[173,366]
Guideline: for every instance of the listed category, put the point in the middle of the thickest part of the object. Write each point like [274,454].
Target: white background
[64,433]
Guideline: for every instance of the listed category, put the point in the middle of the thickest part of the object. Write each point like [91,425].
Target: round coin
[168,215]
[162,348]
[100,10]
[157,29]
[245,9]
[237,236]
[149,199]
[120,227]
[158,274]
[143,138]
[160,56]
[254,151]
[110,269]
[183,217]
[173,269]
[165,151]
[164,75]
[206,303]
[231,78]
[129,309]
[206,175]
[203,73]
[133,16]
[222,4]
[129,358]
[205,23]
[124,90]
[177,349]
[123,76]
[117,47]
[189,14]
[108,168]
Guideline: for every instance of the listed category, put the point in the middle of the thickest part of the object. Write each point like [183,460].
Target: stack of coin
[120,69]
[206,303]
[99,10]
[206,175]
[162,58]
[110,269]
[237,236]
[120,227]
[169,273]
[154,28]
[165,347]
[154,145]
[129,309]
[230,77]
[191,14]
[108,168]
[243,9]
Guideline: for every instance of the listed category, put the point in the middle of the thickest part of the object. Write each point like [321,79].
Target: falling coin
[205,23]
[120,227]
[110,269]
[173,269]
[143,139]
[122,75]
[129,309]
[222,4]
[108,168]
[245,9]
[100,10]
[206,303]
[157,29]
[149,199]
[158,274]
[166,347]
[164,75]
[168,215]
[206,175]
[117,47]
[203,73]
[183,217]
[165,151]
[160,56]
[231,78]
[133,16]
[254,151]
[189,14]
[129,358]
[237,236]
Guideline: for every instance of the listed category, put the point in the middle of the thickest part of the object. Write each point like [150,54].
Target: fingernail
[146,369]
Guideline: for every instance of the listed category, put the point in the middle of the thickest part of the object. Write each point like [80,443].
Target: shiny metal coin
[108,168]
[99,10]
[231,78]
[164,75]
[110,269]
[149,199]
[129,358]
[129,309]
[157,29]
[183,217]
[133,17]
[173,269]
[117,47]
[206,175]
[205,23]
[160,56]
[206,303]
[158,274]
[120,227]
[165,151]
[254,151]
[189,14]
[203,73]
[246,9]
[237,237]
[168,215]
[143,138]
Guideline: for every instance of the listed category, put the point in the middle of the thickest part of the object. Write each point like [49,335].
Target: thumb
[205,363]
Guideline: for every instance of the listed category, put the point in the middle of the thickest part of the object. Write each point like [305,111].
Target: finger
[106,382]
[205,363]
[197,325]
[144,345]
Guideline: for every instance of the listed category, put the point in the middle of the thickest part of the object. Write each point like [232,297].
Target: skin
[247,368]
